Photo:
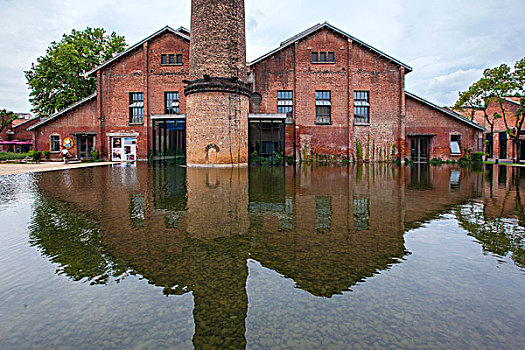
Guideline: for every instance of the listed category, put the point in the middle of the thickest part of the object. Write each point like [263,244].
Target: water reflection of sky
[263,258]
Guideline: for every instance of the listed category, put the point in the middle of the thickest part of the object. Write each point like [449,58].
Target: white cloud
[446,41]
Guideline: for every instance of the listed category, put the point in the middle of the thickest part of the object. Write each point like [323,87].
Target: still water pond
[373,257]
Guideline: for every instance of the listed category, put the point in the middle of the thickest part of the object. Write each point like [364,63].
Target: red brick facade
[356,67]
[77,120]
[509,107]
[421,121]
[17,130]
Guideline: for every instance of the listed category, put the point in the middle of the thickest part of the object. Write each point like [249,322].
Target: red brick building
[498,143]
[321,91]
[15,137]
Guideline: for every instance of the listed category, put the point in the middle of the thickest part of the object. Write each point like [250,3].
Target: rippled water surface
[368,257]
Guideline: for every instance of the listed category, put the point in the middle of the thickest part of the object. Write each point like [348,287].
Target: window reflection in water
[361,214]
[323,214]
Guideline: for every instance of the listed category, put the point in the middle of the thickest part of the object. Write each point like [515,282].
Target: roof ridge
[67,109]
[133,47]
[318,26]
[446,110]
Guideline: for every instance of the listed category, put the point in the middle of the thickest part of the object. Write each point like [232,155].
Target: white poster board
[123,148]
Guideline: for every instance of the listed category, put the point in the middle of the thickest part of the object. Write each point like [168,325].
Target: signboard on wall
[67,143]
[123,149]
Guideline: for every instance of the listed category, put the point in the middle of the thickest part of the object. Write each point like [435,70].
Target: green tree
[6,118]
[58,79]
[496,84]
[519,88]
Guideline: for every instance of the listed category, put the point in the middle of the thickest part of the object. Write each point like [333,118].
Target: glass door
[85,147]
[420,149]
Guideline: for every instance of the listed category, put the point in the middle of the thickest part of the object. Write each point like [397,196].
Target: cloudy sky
[447,42]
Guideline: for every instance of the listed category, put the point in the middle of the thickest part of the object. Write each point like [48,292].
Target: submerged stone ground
[313,257]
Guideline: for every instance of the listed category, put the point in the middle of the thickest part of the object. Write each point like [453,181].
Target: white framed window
[323,108]
[455,144]
[54,143]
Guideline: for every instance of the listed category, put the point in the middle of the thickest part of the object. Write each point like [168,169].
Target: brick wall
[141,71]
[355,68]
[218,45]
[80,119]
[509,109]
[222,139]
[423,119]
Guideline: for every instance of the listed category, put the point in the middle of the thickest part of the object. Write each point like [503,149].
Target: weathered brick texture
[422,119]
[141,71]
[217,128]
[355,68]
[218,45]
[217,118]
[508,108]
[78,120]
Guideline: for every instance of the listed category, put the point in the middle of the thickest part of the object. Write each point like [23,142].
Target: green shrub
[46,154]
[35,155]
[359,150]
[96,155]
[477,158]
[254,158]
[12,156]
[436,161]
[289,160]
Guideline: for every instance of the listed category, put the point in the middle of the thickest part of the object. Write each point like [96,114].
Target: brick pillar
[402,116]
[217,96]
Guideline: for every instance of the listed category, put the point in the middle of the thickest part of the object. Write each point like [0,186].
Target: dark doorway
[169,140]
[266,141]
[503,145]
[85,146]
[489,145]
[420,149]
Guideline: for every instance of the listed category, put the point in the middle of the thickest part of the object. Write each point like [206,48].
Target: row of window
[171,58]
[323,105]
[323,57]
[317,57]
[136,105]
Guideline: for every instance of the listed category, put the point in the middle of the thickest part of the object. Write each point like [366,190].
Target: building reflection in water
[192,230]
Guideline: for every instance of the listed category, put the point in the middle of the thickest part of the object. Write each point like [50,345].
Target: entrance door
[420,149]
[490,145]
[503,145]
[85,147]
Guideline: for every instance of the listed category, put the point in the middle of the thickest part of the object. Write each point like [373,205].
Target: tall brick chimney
[217,100]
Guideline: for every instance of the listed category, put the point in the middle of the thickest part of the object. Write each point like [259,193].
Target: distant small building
[498,143]
[16,137]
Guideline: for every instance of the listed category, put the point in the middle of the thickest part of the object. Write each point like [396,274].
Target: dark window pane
[322,57]
[163,59]
[172,59]
[179,58]
[331,57]
[315,57]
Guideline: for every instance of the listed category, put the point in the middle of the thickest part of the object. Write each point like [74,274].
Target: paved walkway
[24,168]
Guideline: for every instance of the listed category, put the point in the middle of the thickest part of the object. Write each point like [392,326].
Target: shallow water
[368,257]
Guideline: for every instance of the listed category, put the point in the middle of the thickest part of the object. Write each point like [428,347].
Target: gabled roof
[446,111]
[25,122]
[181,31]
[327,25]
[58,114]
[514,100]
